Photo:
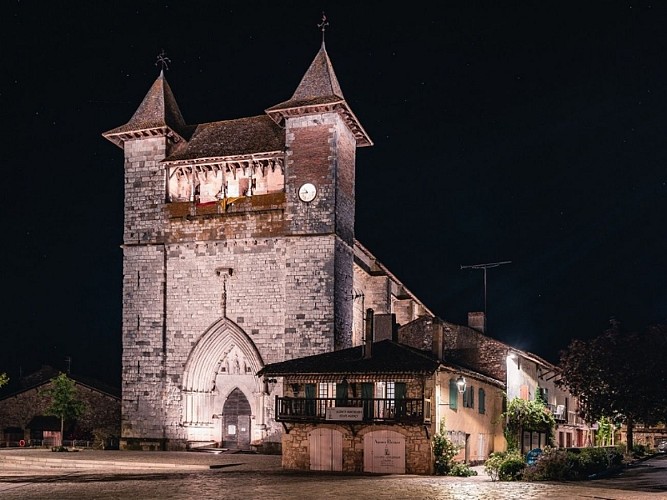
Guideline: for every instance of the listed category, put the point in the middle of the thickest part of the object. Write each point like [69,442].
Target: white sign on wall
[346,414]
[384,452]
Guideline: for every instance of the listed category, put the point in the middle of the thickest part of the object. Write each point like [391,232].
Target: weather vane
[323,25]
[163,60]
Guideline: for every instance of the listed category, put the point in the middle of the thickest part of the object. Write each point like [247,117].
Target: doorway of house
[236,421]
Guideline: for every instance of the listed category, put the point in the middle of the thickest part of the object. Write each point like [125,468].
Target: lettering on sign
[384,452]
[345,414]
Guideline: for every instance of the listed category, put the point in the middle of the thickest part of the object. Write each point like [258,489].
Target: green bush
[444,451]
[551,465]
[505,466]
[561,465]
[462,470]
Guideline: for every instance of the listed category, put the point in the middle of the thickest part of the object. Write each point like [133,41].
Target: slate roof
[158,110]
[319,90]
[388,357]
[244,136]
[158,113]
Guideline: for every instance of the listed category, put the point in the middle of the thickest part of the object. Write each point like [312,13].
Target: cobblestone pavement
[239,476]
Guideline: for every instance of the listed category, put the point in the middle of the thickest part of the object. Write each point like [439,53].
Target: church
[239,251]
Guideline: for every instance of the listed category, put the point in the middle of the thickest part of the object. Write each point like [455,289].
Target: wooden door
[236,421]
[326,449]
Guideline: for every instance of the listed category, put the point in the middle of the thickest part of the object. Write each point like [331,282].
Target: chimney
[477,321]
[438,341]
[368,337]
[383,327]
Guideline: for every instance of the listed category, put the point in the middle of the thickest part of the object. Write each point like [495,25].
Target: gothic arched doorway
[236,421]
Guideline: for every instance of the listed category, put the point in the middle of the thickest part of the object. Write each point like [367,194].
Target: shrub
[444,451]
[462,470]
[561,465]
[505,466]
[551,465]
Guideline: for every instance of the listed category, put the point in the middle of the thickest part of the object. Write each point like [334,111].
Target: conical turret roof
[158,112]
[319,91]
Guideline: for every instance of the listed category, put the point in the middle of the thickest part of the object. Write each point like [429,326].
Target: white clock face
[307,192]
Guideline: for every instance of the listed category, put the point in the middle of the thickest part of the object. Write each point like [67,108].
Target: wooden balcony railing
[409,410]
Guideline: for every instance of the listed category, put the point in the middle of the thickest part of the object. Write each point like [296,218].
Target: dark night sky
[530,132]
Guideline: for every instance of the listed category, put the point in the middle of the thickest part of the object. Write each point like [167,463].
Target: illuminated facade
[239,250]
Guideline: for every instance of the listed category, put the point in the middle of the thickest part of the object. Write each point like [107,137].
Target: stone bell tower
[238,251]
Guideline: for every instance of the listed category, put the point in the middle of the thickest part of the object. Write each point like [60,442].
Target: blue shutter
[453,394]
[482,403]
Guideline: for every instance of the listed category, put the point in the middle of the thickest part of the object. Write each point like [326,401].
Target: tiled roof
[320,91]
[388,357]
[244,136]
[158,109]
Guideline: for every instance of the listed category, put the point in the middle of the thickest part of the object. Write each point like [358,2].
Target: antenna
[485,267]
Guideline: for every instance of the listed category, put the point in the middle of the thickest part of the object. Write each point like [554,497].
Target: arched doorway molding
[204,360]
[206,384]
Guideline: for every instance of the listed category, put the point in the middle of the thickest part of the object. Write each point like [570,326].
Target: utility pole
[485,267]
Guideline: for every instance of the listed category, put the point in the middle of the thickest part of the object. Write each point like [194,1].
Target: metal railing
[369,409]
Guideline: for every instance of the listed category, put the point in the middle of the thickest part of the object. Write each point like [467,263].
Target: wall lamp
[461,384]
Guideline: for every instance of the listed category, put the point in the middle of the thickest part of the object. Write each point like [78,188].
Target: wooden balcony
[351,410]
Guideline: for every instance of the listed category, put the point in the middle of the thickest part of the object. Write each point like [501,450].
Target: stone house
[375,408]
[525,375]
[23,419]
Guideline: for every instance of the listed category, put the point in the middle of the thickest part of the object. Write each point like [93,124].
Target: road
[240,477]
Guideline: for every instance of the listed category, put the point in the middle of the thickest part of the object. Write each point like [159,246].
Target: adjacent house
[525,375]
[24,420]
[375,408]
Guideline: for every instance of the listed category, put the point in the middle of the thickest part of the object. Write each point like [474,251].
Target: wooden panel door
[326,449]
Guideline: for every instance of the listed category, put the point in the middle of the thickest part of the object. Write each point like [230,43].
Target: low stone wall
[418,454]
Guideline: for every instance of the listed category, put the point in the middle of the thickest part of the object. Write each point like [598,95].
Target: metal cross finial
[323,25]
[163,60]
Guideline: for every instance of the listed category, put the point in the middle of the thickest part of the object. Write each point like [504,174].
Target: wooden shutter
[482,402]
[453,394]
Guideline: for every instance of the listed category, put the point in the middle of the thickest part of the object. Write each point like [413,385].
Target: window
[482,401]
[325,391]
[542,394]
[469,397]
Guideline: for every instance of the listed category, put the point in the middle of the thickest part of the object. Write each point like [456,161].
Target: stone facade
[474,426]
[100,420]
[226,269]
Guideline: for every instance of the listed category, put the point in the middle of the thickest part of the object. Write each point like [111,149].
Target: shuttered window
[453,394]
[482,401]
[469,397]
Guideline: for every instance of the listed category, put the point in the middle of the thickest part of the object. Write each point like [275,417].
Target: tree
[619,375]
[3,379]
[63,400]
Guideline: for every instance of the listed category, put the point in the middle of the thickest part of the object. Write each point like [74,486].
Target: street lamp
[461,384]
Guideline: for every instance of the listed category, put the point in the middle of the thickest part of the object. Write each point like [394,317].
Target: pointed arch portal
[223,349]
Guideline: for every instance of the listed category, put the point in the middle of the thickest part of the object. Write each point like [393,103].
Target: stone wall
[418,454]
[102,411]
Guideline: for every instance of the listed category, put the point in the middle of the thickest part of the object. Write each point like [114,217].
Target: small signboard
[531,456]
[346,414]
